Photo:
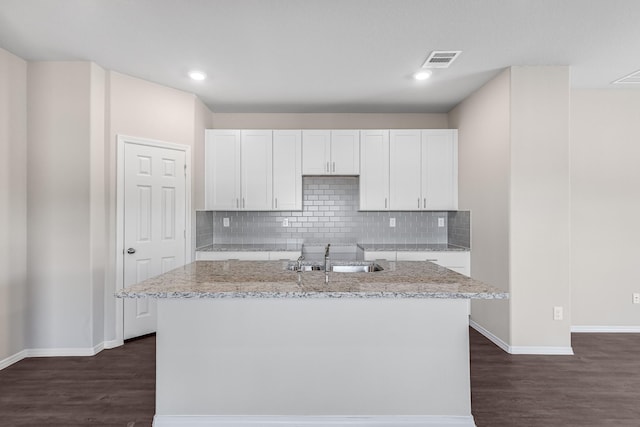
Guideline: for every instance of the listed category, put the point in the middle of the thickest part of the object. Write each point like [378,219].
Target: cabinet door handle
[237,204]
[276,203]
[385,203]
[328,167]
[418,202]
[334,166]
[243,203]
[424,203]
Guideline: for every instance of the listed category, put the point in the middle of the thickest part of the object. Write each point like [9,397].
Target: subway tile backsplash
[330,214]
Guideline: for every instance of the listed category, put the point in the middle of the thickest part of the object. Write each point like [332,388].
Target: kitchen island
[249,343]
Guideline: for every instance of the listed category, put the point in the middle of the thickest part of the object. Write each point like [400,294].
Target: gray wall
[13,204]
[330,214]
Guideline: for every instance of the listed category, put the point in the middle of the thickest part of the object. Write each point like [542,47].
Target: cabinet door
[222,170]
[439,170]
[405,165]
[345,152]
[374,170]
[316,152]
[287,170]
[257,169]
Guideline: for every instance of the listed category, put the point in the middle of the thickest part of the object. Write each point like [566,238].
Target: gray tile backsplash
[459,230]
[204,228]
[330,214]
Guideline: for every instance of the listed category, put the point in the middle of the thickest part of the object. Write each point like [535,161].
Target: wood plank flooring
[599,386]
[114,388]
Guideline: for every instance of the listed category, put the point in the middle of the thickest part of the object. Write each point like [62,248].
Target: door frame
[122,140]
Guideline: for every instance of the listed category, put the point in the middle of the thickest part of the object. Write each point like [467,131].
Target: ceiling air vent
[631,78]
[441,58]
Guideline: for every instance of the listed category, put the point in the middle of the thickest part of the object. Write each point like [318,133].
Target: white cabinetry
[256,163]
[222,169]
[335,152]
[238,170]
[440,169]
[405,167]
[287,170]
[459,261]
[374,170]
[423,172]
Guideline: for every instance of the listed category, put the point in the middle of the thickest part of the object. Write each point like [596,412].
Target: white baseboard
[58,352]
[8,361]
[493,338]
[538,350]
[112,344]
[311,421]
[606,329]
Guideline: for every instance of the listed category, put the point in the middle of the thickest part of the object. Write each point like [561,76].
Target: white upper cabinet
[374,170]
[345,152]
[423,169]
[287,170]
[440,169]
[405,166]
[316,152]
[256,164]
[222,169]
[238,170]
[327,152]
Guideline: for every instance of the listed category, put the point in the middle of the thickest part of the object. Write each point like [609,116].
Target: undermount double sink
[339,267]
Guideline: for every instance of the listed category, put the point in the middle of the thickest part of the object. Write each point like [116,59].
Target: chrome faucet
[326,263]
[299,263]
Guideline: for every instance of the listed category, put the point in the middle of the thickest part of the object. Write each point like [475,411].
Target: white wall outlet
[285,222]
[225,222]
[636,298]
[440,222]
[557,313]
[392,222]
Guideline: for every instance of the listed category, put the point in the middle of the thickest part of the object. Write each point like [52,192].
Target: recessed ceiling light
[197,75]
[422,75]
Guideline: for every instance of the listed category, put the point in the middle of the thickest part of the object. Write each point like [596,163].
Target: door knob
[131,251]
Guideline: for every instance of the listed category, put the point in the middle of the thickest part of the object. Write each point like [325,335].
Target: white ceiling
[328,55]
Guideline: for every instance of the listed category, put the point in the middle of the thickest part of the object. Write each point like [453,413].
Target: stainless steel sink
[339,267]
[369,267]
[305,267]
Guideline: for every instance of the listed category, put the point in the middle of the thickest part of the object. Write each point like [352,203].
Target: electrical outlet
[392,222]
[557,313]
[440,222]
[225,222]
[636,298]
[285,222]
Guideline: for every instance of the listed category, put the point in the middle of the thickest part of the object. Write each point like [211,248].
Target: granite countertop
[270,279]
[417,247]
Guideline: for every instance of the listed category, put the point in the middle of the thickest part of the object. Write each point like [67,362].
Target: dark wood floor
[114,388]
[599,386]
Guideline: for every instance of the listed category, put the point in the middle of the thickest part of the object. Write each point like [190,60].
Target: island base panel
[313,357]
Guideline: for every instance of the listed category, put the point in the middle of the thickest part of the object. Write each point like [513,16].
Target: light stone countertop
[270,279]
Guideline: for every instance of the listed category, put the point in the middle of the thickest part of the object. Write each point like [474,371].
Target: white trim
[121,141]
[305,420]
[606,329]
[112,344]
[542,350]
[8,361]
[58,352]
[537,350]
[490,336]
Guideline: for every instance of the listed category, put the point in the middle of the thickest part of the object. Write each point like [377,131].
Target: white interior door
[154,225]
